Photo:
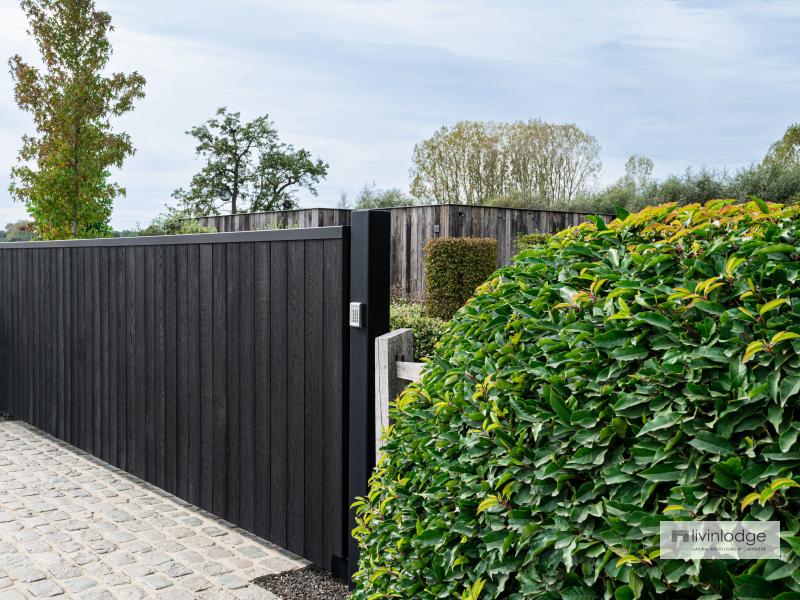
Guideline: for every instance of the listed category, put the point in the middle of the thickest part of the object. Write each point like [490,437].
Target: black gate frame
[365,276]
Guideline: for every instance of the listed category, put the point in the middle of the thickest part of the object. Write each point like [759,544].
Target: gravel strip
[310,583]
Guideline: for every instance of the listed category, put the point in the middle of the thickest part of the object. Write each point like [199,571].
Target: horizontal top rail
[273,235]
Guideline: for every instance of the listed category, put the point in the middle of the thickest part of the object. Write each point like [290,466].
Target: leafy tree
[459,165]
[173,222]
[21,231]
[786,151]
[62,174]
[533,162]
[639,173]
[248,168]
[370,196]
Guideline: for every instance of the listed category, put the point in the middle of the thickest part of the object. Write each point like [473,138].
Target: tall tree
[371,196]
[247,168]
[62,174]
[532,161]
[461,164]
[786,151]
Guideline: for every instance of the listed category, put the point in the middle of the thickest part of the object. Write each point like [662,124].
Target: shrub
[427,330]
[527,240]
[454,267]
[174,222]
[616,377]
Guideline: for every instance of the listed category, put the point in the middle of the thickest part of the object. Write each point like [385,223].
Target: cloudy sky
[358,82]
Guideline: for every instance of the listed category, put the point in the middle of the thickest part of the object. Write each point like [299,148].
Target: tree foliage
[20,231]
[248,168]
[786,151]
[475,162]
[63,171]
[173,222]
[611,378]
[773,180]
[370,196]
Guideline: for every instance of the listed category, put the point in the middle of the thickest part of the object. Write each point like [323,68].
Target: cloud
[358,82]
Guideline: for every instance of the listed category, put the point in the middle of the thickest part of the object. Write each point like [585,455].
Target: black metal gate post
[369,318]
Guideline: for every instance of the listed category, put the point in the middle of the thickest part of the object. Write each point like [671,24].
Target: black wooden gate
[214,366]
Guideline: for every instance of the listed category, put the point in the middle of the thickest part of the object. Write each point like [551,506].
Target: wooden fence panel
[413,226]
[211,366]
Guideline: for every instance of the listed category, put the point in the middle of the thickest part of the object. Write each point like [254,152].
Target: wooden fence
[394,370]
[412,227]
[213,366]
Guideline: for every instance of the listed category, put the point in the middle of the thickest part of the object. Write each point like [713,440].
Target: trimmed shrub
[527,240]
[427,330]
[616,377]
[454,267]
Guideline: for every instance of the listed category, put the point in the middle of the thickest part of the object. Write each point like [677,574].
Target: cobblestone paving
[71,526]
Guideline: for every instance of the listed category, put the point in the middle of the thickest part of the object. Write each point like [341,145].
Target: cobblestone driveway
[73,527]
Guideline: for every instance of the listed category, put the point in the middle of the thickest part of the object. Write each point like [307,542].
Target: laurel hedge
[615,377]
[454,268]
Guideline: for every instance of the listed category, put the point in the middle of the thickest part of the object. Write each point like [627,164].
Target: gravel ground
[5,417]
[311,583]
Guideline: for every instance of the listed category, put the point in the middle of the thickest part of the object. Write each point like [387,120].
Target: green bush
[454,267]
[528,240]
[174,222]
[427,330]
[616,377]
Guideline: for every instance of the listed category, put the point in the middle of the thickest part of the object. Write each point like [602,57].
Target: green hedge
[527,240]
[427,330]
[454,267]
[618,376]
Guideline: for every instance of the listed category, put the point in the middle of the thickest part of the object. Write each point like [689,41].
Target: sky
[358,82]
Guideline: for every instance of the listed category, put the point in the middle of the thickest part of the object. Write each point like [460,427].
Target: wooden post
[395,346]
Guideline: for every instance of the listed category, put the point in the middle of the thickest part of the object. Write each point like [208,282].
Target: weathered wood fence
[394,370]
[217,367]
[412,227]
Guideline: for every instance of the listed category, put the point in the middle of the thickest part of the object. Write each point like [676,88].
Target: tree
[458,165]
[531,162]
[786,151]
[62,174]
[370,196]
[639,173]
[20,231]
[173,222]
[247,168]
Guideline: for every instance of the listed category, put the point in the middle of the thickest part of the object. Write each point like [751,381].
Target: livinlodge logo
[720,540]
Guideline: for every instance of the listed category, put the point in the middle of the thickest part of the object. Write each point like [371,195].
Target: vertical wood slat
[246,392]
[219,382]
[278,419]
[262,328]
[206,433]
[183,464]
[170,371]
[215,370]
[313,433]
[295,395]
[232,415]
[194,346]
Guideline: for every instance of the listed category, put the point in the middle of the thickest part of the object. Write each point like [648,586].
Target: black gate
[214,366]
